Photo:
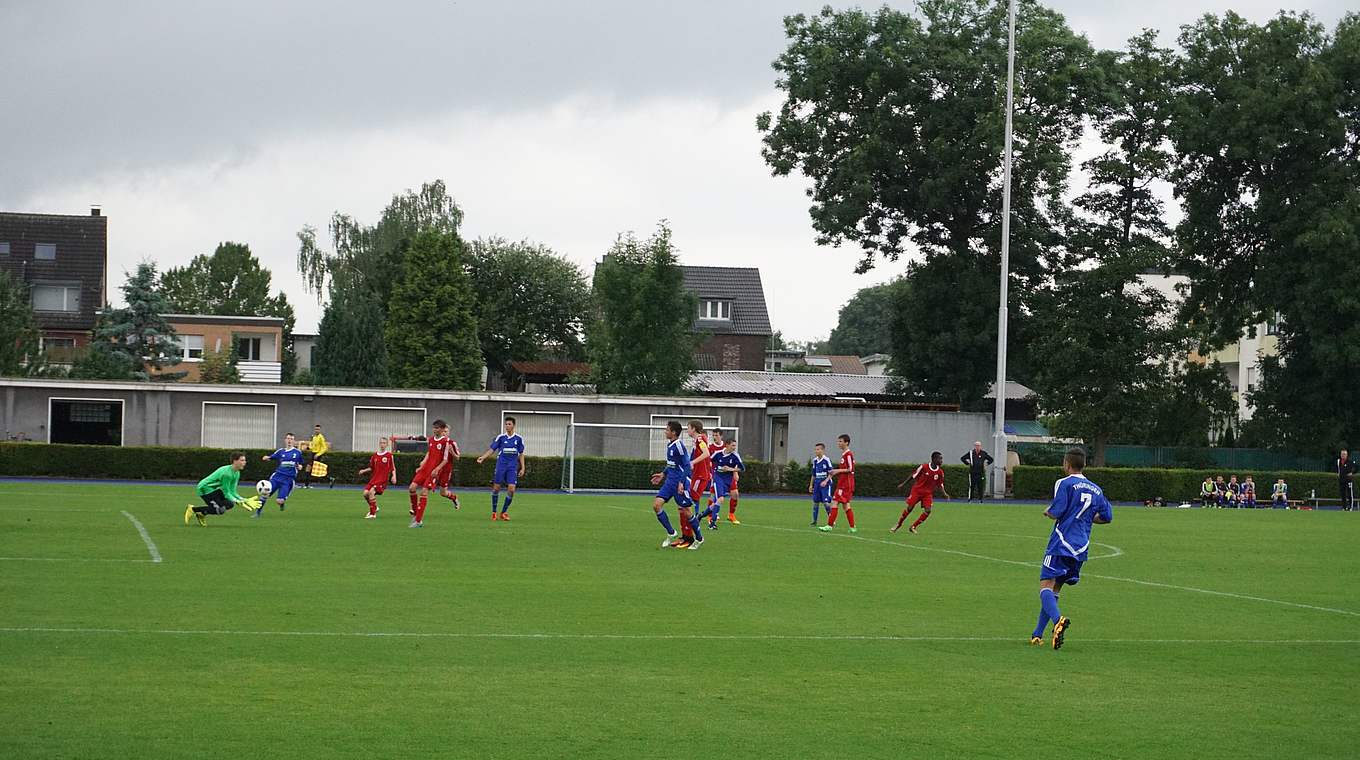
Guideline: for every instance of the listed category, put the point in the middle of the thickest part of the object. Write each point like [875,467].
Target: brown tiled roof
[742,286]
[843,365]
[81,259]
[550,368]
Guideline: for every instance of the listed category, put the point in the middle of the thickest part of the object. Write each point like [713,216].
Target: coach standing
[978,461]
[1345,472]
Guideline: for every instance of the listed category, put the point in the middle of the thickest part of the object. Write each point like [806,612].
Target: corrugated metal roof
[788,384]
[1014,391]
[742,286]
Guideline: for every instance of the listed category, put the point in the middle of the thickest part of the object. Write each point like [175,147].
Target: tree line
[896,117]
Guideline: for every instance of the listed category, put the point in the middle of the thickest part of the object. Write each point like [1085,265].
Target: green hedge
[1138,484]
[873,479]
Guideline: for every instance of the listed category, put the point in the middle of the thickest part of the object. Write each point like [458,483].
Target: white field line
[637,636]
[72,559]
[971,555]
[146,537]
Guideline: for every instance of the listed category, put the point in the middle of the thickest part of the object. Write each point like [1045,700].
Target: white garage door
[238,426]
[372,423]
[544,433]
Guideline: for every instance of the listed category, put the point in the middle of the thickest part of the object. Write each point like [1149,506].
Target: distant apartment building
[256,342]
[63,259]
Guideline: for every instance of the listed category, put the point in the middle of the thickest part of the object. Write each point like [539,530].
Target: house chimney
[94,211]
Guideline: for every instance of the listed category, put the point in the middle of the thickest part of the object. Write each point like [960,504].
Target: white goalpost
[601,456]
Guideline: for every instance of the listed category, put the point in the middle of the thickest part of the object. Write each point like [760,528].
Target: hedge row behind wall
[1139,484]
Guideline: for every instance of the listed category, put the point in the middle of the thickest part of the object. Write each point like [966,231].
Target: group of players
[1214,492]
[707,470]
[219,493]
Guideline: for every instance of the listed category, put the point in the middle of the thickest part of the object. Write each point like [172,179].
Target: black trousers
[215,503]
[1347,494]
[307,467]
[977,484]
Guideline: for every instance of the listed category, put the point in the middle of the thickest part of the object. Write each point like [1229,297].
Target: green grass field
[569,633]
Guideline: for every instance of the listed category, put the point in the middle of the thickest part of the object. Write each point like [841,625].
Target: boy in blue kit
[726,466]
[819,485]
[509,450]
[288,463]
[674,482]
[1077,504]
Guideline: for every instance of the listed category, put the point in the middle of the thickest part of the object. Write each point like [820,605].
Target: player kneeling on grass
[1077,504]
[382,471]
[675,484]
[218,491]
[924,481]
[508,449]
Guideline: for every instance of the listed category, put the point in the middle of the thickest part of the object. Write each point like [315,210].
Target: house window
[4,249]
[59,350]
[191,347]
[248,349]
[45,251]
[1273,324]
[715,309]
[56,298]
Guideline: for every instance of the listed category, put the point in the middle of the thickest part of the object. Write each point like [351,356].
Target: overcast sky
[193,123]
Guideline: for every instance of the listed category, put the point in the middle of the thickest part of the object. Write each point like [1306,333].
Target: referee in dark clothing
[1345,473]
[978,461]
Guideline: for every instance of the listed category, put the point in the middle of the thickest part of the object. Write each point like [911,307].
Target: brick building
[732,317]
[256,341]
[63,259]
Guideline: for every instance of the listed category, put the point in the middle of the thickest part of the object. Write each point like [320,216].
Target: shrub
[1140,483]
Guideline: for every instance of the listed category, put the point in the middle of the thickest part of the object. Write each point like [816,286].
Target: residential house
[840,365]
[731,317]
[304,348]
[876,364]
[63,259]
[782,359]
[257,343]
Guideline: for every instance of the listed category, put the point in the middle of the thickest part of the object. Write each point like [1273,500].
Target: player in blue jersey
[727,468]
[819,485]
[509,450]
[1077,504]
[288,462]
[674,482]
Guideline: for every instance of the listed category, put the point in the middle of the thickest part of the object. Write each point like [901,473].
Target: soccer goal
[610,457]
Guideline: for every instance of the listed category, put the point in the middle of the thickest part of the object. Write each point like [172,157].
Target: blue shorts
[282,486]
[821,494]
[721,488]
[678,489]
[1057,568]
[507,472]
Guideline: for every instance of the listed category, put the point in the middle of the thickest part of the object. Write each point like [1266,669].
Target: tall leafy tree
[350,345]
[1193,400]
[530,302]
[864,324]
[1268,169]
[231,281]
[897,119]
[944,331]
[640,341]
[432,323]
[19,337]
[134,342]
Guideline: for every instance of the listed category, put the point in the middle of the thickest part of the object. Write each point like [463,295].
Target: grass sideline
[568,633]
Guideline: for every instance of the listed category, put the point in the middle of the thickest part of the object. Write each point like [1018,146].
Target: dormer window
[715,309]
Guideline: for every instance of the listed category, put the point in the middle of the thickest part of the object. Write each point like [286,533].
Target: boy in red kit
[927,478]
[701,478]
[445,476]
[384,472]
[438,462]
[844,475]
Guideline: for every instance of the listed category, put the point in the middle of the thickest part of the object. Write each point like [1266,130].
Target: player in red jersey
[437,464]
[844,475]
[926,479]
[383,467]
[445,476]
[701,478]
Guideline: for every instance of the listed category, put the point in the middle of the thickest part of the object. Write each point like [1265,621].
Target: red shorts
[423,478]
[699,486]
[925,498]
[843,494]
[376,486]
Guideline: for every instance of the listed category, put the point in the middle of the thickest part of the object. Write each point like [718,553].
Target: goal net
[609,457]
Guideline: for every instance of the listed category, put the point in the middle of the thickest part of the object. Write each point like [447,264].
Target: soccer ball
[263,487]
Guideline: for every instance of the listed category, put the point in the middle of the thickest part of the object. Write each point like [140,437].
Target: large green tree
[530,302]
[897,119]
[19,337]
[640,340]
[350,345]
[133,342]
[432,322]
[864,324]
[1266,130]
[230,281]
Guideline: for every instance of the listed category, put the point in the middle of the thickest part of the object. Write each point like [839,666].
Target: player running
[819,485]
[675,484]
[728,466]
[1077,503]
[924,481]
[289,459]
[383,467]
[509,450]
[218,492]
[435,470]
[845,486]
[701,470]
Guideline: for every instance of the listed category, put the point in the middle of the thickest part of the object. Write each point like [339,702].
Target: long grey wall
[881,435]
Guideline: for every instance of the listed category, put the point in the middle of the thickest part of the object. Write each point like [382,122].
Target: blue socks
[815,506]
[694,526]
[665,521]
[1041,625]
[1048,602]
[509,497]
[495,498]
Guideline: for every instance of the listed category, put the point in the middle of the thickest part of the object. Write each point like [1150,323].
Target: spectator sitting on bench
[1208,497]
[1279,494]
[1248,495]
[1221,491]
[1234,493]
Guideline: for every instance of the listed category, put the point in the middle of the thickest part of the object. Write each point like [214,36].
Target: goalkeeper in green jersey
[218,491]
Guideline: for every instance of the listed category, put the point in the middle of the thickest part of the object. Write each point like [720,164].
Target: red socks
[420,509]
[850,516]
[732,506]
[903,518]
[835,512]
[372,506]
[415,502]
[922,518]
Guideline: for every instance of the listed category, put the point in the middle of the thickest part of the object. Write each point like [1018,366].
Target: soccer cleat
[256,514]
[456,505]
[895,528]
[669,540]
[825,528]
[912,528]
[201,520]
[683,543]
[854,530]
[495,517]
[370,516]
[695,545]
[1060,631]
[505,516]
[188,512]
[414,524]
[712,525]
[1036,641]
[732,519]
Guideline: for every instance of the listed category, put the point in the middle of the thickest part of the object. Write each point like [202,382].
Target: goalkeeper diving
[218,492]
